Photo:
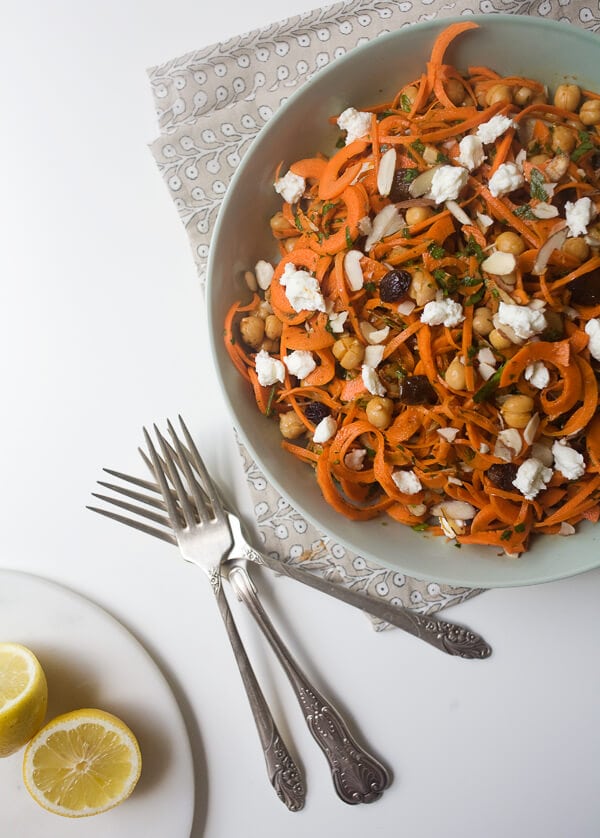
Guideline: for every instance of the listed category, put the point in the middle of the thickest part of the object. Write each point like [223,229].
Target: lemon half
[82,763]
[23,697]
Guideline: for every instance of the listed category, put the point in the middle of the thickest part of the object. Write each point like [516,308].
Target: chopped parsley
[506,535]
[474,249]
[268,411]
[405,103]
[408,175]
[536,186]
[585,145]
[420,527]
[370,287]
[436,251]
[418,146]
[349,241]
[298,222]
[519,527]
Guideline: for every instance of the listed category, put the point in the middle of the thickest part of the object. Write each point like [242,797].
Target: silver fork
[204,538]
[358,777]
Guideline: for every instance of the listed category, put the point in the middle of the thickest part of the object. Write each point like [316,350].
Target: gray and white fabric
[210,105]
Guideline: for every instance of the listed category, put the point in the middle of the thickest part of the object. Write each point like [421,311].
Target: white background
[102,330]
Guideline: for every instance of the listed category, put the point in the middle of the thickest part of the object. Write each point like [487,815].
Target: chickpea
[270,345]
[264,309]
[279,225]
[482,321]
[411,93]
[589,112]
[455,91]
[538,159]
[567,97]
[349,352]
[423,287]
[563,139]
[539,99]
[252,329]
[499,340]
[290,425]
[517,410]
[379,411]
[510,242]
[481,96]
[273,327]
[557,167]
[498,93]
[455,374]
[577,248]
[523,96]
[289,244]
[414,215]
[555,327]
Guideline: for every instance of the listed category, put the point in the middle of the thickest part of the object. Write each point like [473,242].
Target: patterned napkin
[210,105]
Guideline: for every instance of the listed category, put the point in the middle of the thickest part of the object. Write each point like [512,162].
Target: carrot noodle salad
[429,341]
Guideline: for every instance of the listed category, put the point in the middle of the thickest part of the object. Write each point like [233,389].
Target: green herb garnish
[585,145]
[420,527]
[489,388]
[405,103]
[418,146]
[506,535]
[370,287]
[408,175]
[474,249]
[268,411]
[519,527]
[475,298]
[349,241]
[536,186]
[525,212]
[436,251]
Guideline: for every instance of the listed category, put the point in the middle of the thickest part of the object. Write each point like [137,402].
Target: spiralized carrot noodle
[429,341]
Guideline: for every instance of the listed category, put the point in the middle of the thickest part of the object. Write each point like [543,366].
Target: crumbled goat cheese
[532,477]
[264,273]
[371,381]
[523,320]
[269,370]
[445,312]
[494,128]
[374,355]
[592,330]
[302,289]
[300,362]
[355,459]
[291,187]
[578,215]
[537,374]
[471,153]
[567,460]
[447,182]
[325,430]
[407,482]
[357,124]
[505,179]
[337,320]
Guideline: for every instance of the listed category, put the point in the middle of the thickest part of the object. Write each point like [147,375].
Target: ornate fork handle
[282,770]
[358,777]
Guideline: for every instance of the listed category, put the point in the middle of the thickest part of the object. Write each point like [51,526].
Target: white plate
[91,660]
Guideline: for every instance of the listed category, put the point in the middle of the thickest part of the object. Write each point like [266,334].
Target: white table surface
[102,331]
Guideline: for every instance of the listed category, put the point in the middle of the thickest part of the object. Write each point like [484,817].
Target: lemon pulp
[23,697]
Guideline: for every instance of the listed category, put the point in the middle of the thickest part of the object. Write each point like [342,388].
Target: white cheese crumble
[268,369]
[489,131]
[532,477]
[302,289]
[337,320]
[325,430]
[567,460]
[471,154]
[442,312]
[371,381]
[264,273]
[300,363]
[505,179]
[523,320]
[447,182]
[357,124]
[407,482]
[592,330]
[291,187]
[537,374]
[355,459]
[578,215]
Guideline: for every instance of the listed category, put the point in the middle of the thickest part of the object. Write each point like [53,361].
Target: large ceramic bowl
[512,45]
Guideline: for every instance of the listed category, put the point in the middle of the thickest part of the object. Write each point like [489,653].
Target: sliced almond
[374,355]
[544,210]
[486,356]
[458,212]
[486,371]
[566,529]
[385,173]
[422,183]
[406,307]
[499,263]
[456,509]
[449,434]
[531,429]
[353,270]
[508,445]
[387,221]
[555,241]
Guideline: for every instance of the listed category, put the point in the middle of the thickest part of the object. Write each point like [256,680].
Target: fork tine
[137,481]
[147,499]
[209,486]
[133,507]
[184,502]
[161,477]
[137,525]
[200,498]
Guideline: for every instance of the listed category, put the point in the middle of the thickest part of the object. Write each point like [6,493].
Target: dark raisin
[400,190]
[416,389]
[315,412]
[585,290]
[394,286]
[561,198]
[502,475]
